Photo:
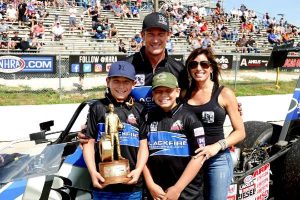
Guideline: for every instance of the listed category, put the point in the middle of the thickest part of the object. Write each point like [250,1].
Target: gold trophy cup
[113,170]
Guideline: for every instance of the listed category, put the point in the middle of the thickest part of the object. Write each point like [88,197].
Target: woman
[211,102]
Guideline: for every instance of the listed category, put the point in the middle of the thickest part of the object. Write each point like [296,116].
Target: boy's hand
[134,175]
[172,193]
[97,180]
[156,192]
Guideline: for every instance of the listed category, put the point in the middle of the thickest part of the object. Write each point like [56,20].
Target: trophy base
[115,172]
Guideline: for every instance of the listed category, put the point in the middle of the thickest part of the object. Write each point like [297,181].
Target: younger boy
[173,133]
[133,145]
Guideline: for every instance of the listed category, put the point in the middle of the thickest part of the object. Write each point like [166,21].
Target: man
[251,45]
[57,32]
[133,144]
[16,41]
[153,57]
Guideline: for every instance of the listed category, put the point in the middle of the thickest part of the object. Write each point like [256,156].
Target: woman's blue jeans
[218,173]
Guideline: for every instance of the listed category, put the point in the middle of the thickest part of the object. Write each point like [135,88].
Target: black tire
[291,173]
[256,132]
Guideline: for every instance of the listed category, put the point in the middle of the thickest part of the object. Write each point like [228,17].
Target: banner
[254,62]
[98,63]
[92,63]
[27,64]
[225,61]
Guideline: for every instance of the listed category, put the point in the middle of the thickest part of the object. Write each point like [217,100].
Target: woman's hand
[208,151]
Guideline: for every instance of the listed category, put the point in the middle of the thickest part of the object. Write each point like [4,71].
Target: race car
[51,165]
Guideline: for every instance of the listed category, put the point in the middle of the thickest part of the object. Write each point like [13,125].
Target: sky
[290,8]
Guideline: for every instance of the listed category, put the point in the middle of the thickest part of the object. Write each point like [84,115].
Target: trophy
[113,170]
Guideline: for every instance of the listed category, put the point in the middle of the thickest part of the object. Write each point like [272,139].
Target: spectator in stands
[100,31]
[216,34]
[107,5]
[33,42]
[11,13]
[121,46]
[4,27]
[139,40]
[126,13]
[135,12]
[202,11]
[241,44]
[298,44]
[234,13]
[72,17]
[249,27]
[272,38]
[206,42]
[204,27]
[16,41]
[133,45]
[139,3]
[234,34]
[81,23]
[170,46]
[38,30]
[225,34]
[93,13]
[117,9]
[175,29]
[183,27]
[3,7]
[251,45]
[194,40]
[112,31]
[4,40]
[285,37]
[57,32]
[22,13]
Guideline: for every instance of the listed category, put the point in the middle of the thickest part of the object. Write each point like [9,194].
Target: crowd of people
[201,26]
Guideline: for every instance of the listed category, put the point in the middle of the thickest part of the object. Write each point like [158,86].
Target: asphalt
[17,122]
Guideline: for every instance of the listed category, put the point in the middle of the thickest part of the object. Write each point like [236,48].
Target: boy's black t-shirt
[172,139]
[131,117]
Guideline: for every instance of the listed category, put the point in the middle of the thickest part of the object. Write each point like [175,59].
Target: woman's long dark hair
[211,58]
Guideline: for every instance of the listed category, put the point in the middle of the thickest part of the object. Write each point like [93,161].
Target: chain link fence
[60,79]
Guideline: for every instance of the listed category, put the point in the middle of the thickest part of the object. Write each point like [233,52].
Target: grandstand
[77,42]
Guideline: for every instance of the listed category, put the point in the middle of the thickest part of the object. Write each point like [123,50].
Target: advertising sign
[27,64]
[254,62]
[99,63]
[225,61]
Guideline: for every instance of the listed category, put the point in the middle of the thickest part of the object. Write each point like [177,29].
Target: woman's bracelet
[223,144]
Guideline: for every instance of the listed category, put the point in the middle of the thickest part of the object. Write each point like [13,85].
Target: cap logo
[162,20]
[161,76]
[121,67]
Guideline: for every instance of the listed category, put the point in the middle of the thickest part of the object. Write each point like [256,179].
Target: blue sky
[290,8]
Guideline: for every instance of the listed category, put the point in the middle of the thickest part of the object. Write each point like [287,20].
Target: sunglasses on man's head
[194,64]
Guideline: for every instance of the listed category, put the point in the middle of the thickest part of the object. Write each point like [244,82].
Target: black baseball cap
[156,20]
